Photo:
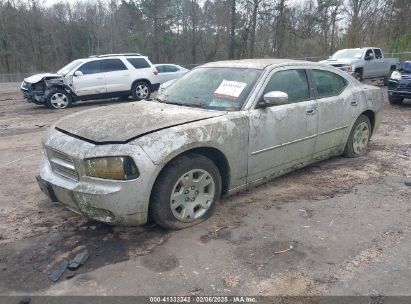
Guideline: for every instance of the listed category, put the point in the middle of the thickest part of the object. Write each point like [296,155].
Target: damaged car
[96,77]
[220,129]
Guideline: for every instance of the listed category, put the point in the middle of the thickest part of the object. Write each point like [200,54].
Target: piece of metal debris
[284,250]
[408,182]
[79,260]
[56,274]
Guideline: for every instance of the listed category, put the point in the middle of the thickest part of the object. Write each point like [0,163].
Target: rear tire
[186,192]
[141,90]
[58,99]
[359,138]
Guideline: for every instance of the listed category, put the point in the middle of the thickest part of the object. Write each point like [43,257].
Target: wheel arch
[141,79]
[214,154]
[371,116]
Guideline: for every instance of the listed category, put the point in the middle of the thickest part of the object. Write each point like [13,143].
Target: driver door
[92,81]
[283,137]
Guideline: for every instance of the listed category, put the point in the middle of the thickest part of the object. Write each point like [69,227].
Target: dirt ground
[346,221]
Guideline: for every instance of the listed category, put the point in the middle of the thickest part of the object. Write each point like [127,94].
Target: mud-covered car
[96,77]
[221,128]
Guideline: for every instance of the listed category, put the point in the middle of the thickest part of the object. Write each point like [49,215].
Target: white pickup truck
[364,63]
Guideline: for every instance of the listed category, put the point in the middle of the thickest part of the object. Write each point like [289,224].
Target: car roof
[112,56]
[259,64]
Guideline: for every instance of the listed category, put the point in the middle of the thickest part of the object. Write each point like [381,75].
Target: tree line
[34,37]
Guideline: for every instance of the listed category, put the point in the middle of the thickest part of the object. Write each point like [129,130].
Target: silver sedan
[221,128]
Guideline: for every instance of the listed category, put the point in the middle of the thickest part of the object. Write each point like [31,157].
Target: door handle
[99,77]
[310,111]
[354,103]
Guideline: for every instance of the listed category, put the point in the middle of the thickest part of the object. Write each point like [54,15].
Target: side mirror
[275,98]
[78,73]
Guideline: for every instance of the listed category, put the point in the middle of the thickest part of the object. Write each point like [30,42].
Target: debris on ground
[193,292]
[79,260]
[231,281]
[408,182]
[56,274]
[284,250]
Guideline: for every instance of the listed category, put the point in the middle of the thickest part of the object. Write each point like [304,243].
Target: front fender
[228,134]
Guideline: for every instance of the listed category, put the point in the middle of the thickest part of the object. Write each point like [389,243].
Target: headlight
[116,167]
[348,68]
[396,75]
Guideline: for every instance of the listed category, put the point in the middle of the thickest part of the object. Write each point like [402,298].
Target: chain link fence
[18,77]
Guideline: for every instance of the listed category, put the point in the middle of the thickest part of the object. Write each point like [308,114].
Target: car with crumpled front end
[221,128]
[96,77]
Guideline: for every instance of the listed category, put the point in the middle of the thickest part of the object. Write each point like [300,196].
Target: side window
[160,68]
[91,67]
[369,53]
[112,65]
[171,68]
[139,63]
[292,82]
[328,83]
[378,54]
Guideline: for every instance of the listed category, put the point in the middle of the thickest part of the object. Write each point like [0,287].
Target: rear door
[116,74]
[337,109]
[92,80]
[370,64]
[382,66]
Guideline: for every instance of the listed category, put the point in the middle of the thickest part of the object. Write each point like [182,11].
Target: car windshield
[212,88]
[407,67]
[67,68]
[348,53]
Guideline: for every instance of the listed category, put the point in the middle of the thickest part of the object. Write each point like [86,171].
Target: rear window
[328,83]
[112,65]
[378,54]
[139,63]
[171,68]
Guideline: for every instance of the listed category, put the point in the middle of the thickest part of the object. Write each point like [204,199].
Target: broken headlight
[115,167]
[53,81]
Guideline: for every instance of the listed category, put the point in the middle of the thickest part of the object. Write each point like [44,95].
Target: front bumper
[108,201]
[399,88]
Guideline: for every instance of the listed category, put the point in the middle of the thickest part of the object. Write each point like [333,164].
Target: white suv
[96,77]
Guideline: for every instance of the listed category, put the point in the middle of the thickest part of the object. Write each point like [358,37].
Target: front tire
[58,99]
[359,138]
[186,192]
[141,90]
[358,75]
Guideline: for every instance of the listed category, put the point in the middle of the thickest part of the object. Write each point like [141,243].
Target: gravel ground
[346,220]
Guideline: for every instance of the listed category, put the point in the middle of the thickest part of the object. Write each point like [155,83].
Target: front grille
[61,164]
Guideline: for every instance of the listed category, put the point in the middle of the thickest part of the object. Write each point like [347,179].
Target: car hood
[36,78]
[123,123]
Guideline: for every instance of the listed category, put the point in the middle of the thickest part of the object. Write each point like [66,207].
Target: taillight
[155,72]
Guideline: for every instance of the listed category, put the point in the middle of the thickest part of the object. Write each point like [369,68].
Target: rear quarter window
[328,83]
[139,63]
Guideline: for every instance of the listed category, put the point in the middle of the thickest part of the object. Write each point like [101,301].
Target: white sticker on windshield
[229,89]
